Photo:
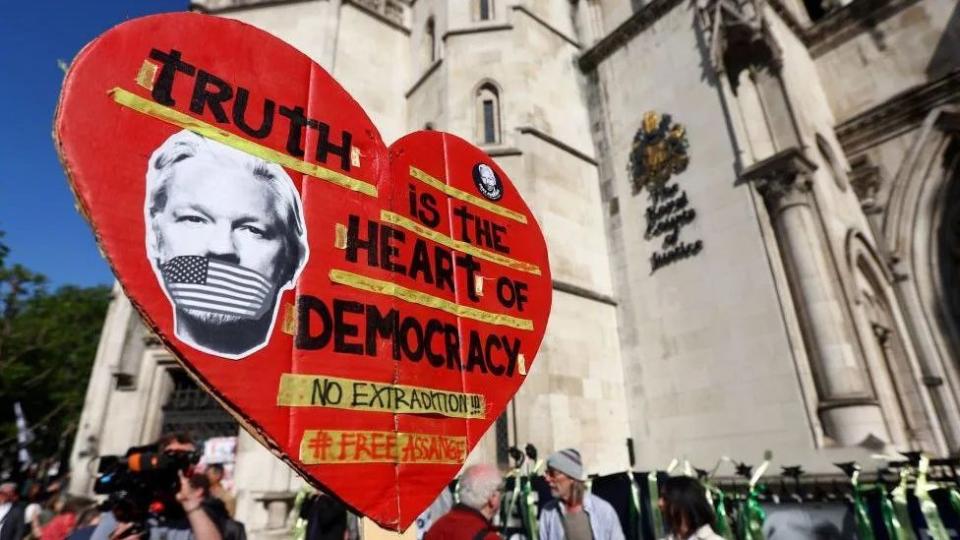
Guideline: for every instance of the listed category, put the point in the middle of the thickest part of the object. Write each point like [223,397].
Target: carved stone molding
[899,114]
[883,335]
[783,178]
[621,35]
[844,402]
[150,340]
[217,7]
[651,12]
[530,130]
[543,23]
[795,23]
[847,22]
[278,505]
[226,6]
[838,26]
[395,13]
[737,34]
[866,182]
[426,75]
[949,122]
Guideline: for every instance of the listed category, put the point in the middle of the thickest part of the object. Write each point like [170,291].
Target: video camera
[143,482]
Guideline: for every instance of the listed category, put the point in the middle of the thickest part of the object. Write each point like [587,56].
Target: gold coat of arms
[659,151]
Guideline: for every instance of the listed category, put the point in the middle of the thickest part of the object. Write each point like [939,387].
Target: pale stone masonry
[820,318]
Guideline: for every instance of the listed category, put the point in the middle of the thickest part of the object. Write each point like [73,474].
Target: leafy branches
[47,344]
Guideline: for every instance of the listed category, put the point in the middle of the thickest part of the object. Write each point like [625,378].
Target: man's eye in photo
[191,219]
[256,231]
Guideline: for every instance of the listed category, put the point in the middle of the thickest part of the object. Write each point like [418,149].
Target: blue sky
[43,229]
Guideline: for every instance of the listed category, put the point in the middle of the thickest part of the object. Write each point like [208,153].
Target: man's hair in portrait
[486,172]
[185,145]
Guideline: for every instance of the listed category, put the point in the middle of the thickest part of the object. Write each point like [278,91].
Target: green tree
[47,345]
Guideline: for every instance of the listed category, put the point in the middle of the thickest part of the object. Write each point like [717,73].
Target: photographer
[184,514]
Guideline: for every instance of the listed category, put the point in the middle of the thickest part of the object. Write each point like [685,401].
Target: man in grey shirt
[575,514]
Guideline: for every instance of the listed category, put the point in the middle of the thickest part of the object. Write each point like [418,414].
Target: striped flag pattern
[24,436]
[200,283]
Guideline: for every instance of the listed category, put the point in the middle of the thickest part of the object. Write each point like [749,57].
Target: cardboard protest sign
[367,312]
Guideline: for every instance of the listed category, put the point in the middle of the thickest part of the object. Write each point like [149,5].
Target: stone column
[847,405]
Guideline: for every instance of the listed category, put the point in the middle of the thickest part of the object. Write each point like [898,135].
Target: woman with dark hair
[685,509]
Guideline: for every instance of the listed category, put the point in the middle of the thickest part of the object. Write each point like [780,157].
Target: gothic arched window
[482,10]
[883,350]
[488,114]
[428,50]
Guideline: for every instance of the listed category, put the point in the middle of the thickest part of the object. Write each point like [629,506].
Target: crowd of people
[202,509]
[574,513]
[44,514]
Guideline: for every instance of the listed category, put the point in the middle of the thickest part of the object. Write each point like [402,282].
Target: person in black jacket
[188,518]
[13,523]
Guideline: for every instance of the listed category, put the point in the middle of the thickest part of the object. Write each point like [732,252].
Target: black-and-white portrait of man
[487,181]
[225,236]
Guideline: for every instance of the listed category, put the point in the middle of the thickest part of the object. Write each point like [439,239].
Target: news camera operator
[147,502]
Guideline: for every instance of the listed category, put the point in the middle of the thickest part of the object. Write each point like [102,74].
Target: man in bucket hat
[575,514]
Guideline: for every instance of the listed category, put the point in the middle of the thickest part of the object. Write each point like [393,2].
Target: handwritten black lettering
[355,328]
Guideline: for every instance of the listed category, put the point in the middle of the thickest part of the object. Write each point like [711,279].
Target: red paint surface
[105,148]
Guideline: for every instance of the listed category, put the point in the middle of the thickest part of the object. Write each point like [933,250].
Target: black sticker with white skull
[487,181]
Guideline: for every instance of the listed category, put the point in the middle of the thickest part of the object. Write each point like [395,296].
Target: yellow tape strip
[329,446]
[289,326]
[379,286]
[147,74]
[320,391]
[177,118]
[466,197]
[459,245]
[340,236]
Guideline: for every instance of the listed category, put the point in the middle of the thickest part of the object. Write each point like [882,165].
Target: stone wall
[903,49]
[546,150]
[708,366]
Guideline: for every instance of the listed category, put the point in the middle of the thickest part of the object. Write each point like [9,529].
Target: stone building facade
[792,286]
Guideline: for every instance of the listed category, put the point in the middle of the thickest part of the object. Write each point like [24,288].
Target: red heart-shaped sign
[365,311]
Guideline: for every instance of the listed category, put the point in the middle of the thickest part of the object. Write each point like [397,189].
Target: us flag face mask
[197,283]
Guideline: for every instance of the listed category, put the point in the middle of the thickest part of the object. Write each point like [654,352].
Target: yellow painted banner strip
[379,286]
[289,326]
[466,197]
[340,236]
[459,245]
[329,446]
[298,390]
[177,118]
[147,74]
